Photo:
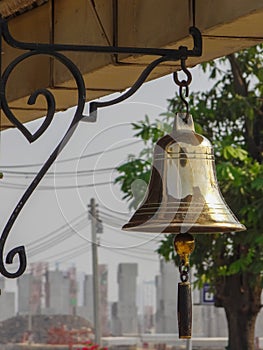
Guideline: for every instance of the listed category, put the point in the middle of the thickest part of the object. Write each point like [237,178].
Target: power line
[47,245]
[138,249]
[12,173]
[17,186]
[109,219]
[50,243]
[69,253]
[111,222]
[57,236]
[114,214]
[82,251]
[71,159]
[127,254]
[113,211]
[67,225]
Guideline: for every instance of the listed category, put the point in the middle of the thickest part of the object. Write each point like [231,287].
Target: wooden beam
[13,8]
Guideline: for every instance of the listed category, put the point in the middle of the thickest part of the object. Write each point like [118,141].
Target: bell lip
[185,336]
[180,228]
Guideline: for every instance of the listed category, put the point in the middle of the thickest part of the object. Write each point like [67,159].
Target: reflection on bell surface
[183,194]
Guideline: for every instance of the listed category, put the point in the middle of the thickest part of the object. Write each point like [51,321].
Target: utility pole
[30,302]
[96,292]
[189,344]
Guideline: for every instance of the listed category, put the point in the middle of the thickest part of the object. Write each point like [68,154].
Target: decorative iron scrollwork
[20,251]
[54,50]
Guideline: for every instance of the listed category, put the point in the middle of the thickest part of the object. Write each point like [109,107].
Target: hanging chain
[184,271]
[184,245]
[183,85]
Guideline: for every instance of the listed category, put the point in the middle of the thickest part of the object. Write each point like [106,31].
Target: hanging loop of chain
[183,85]
[184,271]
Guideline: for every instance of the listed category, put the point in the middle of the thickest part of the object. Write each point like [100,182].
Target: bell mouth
[184,216]
[184,227]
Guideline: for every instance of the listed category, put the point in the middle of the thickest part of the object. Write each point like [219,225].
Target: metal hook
[187,73]
[183,84]
[184,100]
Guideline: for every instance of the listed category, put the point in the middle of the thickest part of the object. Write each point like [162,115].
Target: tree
[230,115]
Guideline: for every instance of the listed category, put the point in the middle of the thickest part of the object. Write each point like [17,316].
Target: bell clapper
[184,245]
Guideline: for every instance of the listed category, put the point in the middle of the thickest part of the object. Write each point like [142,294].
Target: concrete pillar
[7,302]
[127,275]
[24,284]
[166,284]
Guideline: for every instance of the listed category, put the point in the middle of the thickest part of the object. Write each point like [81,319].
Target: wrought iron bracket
[55,50]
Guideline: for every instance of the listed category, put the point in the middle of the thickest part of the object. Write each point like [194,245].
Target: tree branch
[240,85]
[241,88]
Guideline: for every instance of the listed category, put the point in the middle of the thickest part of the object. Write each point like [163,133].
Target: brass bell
[183,194]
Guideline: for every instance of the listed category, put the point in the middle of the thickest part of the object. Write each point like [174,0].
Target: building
[30,289]
[24,285]
[7,302]
[87,310]
[103,287]
[147,305]
[115,320]
[166,298]
[127,309]
[58,293]
[208,320]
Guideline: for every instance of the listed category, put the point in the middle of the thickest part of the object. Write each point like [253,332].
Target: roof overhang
[13,8]
[226,26]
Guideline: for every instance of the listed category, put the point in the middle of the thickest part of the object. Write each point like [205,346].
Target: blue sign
[207,295]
